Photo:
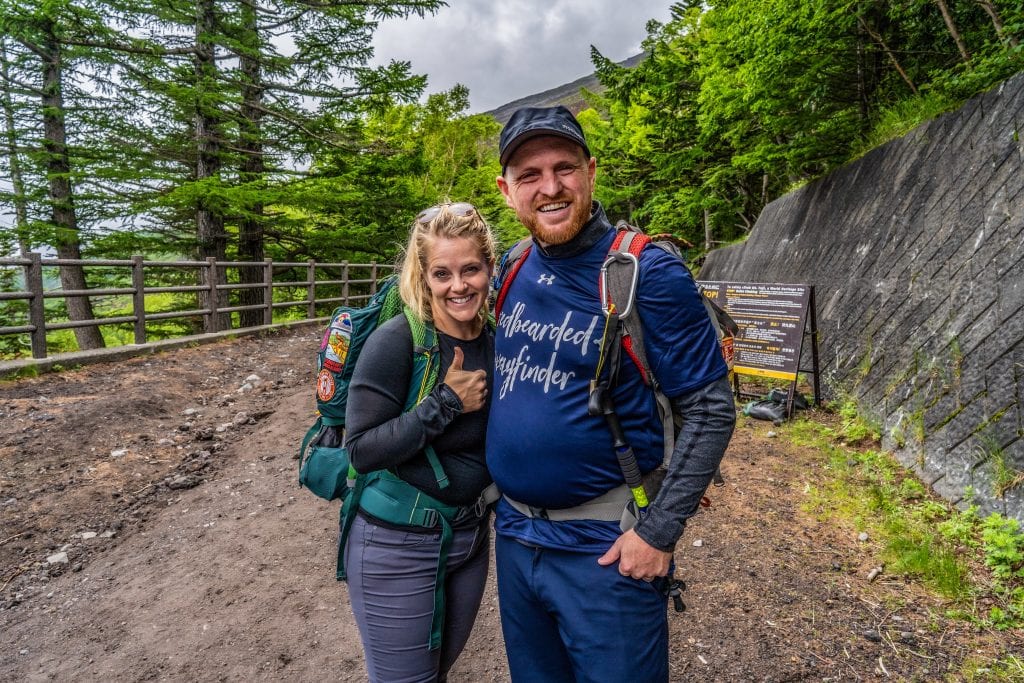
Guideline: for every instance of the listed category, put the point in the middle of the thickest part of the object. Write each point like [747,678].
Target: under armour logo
[546,279]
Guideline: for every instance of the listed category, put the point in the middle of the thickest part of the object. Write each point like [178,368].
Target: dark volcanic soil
[151,528]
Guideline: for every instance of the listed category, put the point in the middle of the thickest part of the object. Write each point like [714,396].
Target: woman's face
[458,278]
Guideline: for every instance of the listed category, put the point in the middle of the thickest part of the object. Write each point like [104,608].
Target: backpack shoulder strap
[511,262]
[618,285]
[426,362]
[618,282]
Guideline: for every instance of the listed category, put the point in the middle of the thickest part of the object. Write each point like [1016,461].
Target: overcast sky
[506,50]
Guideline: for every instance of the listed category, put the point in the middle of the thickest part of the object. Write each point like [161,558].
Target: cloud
[504,51]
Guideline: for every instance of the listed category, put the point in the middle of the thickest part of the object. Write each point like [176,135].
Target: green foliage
[268,121]
[1004,547]
[856,428]
[960,529]
[1005,476]
[740,101]
[901,117]
[920,536]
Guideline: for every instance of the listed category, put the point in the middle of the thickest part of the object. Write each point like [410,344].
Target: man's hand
[636,558]
[469,385]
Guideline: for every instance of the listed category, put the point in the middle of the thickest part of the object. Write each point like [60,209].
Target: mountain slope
[568,94]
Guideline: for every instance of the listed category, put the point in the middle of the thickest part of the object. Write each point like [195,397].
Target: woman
[415,590]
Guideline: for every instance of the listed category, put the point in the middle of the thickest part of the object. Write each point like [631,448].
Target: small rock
[9,502]
[119,453]
[862,536]
[108,534]
[874,573]
[224,427]
[165,442]
[185,426]
[253,378]
[241,418]
[183,481]
[189,412]
[770,434]
[907,638]
[872,635]
[244,388]
[86,535]
[699,543]
[57,558]
[204,434]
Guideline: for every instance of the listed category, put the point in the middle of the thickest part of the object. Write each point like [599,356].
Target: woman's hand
[469,385]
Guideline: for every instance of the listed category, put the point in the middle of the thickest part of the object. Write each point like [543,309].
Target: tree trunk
[888,53]
[210,236]
[953,30]
[58,173]
[14,165]
[707,231]
[997,22]
[250,229]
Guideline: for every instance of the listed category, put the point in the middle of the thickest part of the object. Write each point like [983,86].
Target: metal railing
[207,292]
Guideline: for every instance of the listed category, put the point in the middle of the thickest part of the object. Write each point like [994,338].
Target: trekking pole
[601,404]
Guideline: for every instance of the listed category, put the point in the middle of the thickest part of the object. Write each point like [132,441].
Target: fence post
[268,291]
[373,278]
[311,289]
[211,283]
[344,282]
[36,309]
[139,299]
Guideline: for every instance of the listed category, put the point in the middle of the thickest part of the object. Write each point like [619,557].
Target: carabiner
[629,259]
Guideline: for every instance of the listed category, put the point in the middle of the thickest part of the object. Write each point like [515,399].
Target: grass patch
[903,117]
[1009,668]
[969,560]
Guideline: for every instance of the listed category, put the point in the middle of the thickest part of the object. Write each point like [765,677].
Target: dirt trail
[192,555]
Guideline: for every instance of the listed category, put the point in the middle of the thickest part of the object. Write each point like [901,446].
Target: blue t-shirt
[543,447]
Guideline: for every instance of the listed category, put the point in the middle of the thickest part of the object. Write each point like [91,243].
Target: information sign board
[771,318]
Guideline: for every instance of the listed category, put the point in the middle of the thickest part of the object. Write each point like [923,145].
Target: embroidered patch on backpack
[335,343]
[325,385]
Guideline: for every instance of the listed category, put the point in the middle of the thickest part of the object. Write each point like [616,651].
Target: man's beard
[560,235]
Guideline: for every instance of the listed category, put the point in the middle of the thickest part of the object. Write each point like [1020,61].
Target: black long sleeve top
[379,434]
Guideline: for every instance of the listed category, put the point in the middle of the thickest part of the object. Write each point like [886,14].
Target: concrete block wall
[916,252]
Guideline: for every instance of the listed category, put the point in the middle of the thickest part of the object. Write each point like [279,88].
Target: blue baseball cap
[530,122]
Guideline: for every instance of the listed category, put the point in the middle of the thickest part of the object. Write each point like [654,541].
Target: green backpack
[324,465]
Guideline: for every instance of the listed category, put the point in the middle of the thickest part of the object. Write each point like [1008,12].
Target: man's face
[549,183]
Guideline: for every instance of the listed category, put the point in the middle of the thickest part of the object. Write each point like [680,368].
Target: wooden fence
[207,292]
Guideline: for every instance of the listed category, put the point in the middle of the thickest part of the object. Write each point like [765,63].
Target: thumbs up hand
[469,385]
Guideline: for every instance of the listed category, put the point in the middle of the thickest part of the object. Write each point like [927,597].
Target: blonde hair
[412,279]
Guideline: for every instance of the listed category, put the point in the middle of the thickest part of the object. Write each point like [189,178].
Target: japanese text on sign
[771,319]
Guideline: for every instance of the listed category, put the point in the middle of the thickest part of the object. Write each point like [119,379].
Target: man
[581,599]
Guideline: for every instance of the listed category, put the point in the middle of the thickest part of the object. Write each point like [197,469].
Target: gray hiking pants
[391,588]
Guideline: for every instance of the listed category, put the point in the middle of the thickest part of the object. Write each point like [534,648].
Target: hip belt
[395,501]
[614,506]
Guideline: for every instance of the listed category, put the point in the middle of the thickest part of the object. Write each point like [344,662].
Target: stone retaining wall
[916,252]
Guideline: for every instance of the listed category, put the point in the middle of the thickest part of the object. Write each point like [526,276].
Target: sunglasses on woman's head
[460,209]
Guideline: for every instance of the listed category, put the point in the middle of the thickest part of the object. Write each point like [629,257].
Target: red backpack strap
[637,240]
[630,240]
[513,261]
